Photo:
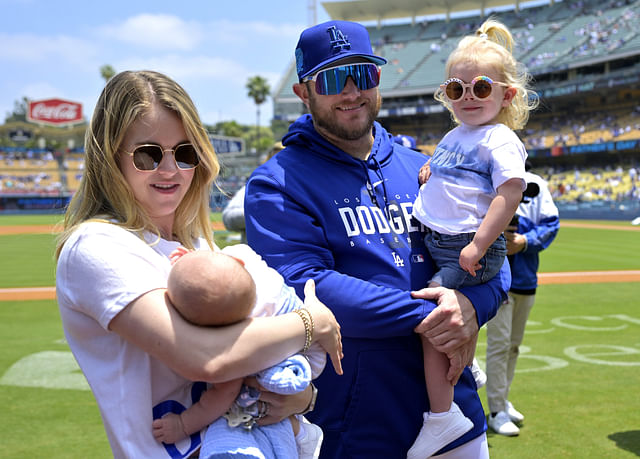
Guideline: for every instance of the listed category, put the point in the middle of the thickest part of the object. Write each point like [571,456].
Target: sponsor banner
[56,112]
[224,144]
[20,135]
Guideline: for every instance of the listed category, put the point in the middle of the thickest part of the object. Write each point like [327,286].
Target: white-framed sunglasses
[481,87]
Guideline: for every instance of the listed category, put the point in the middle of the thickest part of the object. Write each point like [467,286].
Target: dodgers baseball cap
[331,41]
[405,140]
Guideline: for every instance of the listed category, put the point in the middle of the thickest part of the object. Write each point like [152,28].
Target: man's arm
[289,238]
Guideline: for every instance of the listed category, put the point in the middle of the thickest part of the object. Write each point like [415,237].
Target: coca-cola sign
[55,111]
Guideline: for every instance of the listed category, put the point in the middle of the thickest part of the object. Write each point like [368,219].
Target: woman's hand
[326,328]
[278,406]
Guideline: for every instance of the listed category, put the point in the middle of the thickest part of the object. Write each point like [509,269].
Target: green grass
[40,422]
[588,408]
[590,249]
[30,219]
[28,260]
[585,408]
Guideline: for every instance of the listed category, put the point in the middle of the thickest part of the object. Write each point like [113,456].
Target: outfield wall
[599,210]
[37,204]
[593,210]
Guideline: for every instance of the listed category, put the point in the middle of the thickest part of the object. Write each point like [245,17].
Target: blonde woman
[145,192]
[475,183]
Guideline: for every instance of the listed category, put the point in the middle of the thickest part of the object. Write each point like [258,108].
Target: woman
[149,167]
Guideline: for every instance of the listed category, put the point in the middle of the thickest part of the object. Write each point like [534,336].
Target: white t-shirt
[274,297]
[269,283]
[102,268]
[468,166]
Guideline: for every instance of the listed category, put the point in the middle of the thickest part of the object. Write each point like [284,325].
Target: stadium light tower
[312,12]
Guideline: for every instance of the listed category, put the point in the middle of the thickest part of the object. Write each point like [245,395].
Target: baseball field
[577,381]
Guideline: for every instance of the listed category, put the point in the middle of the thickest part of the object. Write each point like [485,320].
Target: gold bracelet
[307,320]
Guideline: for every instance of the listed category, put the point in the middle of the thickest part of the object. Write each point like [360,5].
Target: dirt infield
[218,226]
[587,277]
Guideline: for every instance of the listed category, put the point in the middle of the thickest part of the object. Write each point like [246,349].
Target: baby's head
[211,288]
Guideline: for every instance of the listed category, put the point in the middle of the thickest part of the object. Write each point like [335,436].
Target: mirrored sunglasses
[148,157]
[332,80]
[481,87]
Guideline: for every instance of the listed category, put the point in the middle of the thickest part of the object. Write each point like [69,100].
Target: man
[537,226]
[335,206]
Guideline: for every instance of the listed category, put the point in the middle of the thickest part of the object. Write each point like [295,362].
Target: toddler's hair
[492,45]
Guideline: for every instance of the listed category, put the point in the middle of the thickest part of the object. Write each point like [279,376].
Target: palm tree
[259,91]
[107,71]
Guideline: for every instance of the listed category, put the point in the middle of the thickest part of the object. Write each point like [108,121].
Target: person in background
[335,206]
[145,192]
[536,226]
[233,213]
[475,182]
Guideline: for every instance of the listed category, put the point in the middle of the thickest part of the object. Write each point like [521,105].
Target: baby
[215,288]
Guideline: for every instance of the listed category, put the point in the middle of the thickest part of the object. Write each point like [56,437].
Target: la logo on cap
[338,40]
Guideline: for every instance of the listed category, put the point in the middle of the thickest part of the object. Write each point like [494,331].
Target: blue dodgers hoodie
[314,211]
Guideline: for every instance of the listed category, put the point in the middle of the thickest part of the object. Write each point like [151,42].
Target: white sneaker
[479,375]
[515,415]
[309,445]
[439,431]
[502,424]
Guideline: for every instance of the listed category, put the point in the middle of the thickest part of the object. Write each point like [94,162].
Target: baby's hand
[425,172]
[169,429]
[177,253]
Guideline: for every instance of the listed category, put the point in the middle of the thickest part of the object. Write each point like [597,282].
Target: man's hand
[516,242]
[452,328]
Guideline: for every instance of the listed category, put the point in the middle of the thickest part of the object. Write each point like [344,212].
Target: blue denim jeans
[445,251]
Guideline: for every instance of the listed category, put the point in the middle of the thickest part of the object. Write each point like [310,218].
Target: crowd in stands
[25,173]
[39,172]
[567,129]
[612,183]
[562,128]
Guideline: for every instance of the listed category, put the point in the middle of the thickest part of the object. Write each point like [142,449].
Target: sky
[55,48]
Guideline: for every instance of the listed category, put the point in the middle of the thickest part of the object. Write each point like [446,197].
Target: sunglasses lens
[328,82]
[333,81]
[366,76]
[186,156]
[482,89]
[454,90]
[147,157]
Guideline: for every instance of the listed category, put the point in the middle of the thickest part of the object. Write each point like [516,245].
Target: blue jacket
[313,211]
[539,222]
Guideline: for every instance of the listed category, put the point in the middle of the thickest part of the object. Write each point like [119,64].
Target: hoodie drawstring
[372,191]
